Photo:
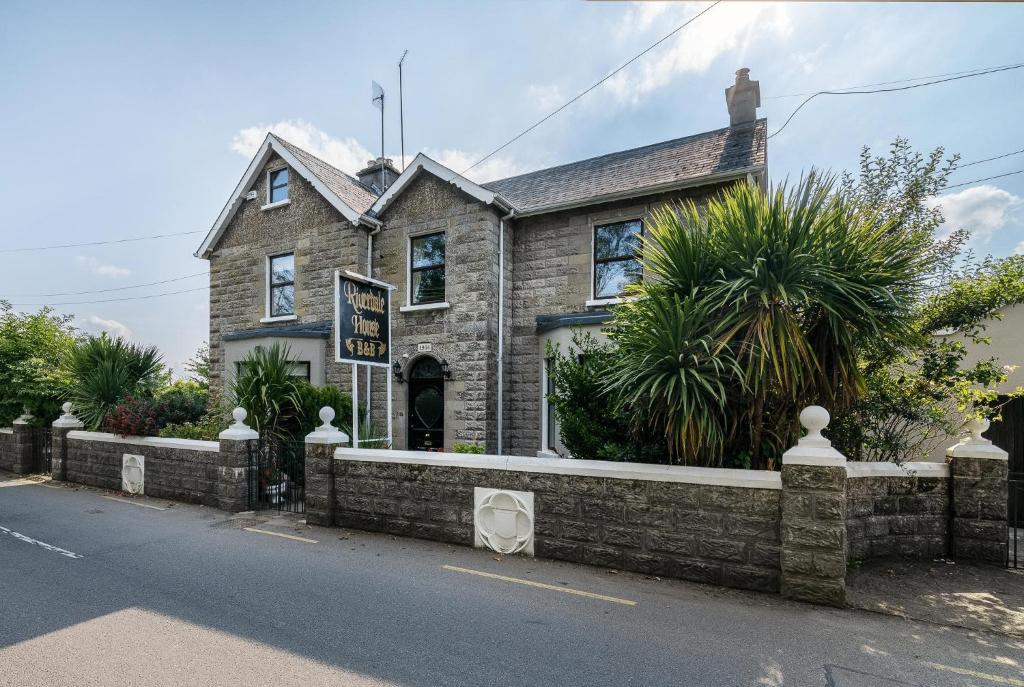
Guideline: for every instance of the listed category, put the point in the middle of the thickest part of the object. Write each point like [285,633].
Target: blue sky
[129,119]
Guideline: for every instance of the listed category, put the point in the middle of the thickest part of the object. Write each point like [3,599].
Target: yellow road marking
[131,503]
[279,534]
[540,585]
[971,673]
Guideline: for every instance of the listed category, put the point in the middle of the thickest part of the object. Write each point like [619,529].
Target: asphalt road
[99,591]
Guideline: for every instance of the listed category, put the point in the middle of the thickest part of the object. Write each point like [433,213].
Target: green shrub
[590,427]
[268,391]
[103,372]
[460,447]
[32,346]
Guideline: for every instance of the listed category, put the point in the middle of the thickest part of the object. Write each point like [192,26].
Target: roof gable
[421,164]
[344,193]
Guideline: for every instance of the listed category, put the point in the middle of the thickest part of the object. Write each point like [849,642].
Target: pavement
[978,597]
[100,589]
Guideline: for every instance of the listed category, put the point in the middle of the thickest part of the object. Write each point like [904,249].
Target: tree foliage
[103,372]
[753,307]
[32,347]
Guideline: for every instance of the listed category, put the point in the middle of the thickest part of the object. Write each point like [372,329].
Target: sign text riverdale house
[484,274]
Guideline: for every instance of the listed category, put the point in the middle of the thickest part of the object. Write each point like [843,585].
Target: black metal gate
[1015,559]
[42,450]
[277,475]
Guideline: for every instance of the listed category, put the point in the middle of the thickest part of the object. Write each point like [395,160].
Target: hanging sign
[362,320]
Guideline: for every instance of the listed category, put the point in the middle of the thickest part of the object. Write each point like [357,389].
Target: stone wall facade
[323,241]
[465,332]
[172,471]
[552,258]
[725,535]
[979,507]
[896,514]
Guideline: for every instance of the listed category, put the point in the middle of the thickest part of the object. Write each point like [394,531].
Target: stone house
[485,275]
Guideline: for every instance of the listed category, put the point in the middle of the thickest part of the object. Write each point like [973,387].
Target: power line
[888,83]
[118,288]
[989,159]
[636,57]
[98,243]
[890,90]
[976,181]
[110,300]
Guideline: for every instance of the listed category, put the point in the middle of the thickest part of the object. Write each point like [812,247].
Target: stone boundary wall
[8,459]
[180,469]
[710,525]
[894,510]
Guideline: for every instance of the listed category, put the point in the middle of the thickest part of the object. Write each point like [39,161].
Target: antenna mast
[401,112]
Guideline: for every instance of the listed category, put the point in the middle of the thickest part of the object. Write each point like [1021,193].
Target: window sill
[424,306]
[600,302]
[278,204]
[547,454]
[279,318]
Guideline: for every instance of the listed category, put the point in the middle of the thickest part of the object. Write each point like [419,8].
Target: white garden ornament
[133,474]
[503,520]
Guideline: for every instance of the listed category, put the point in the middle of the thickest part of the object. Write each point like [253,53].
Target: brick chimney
[371,174]
[743,98]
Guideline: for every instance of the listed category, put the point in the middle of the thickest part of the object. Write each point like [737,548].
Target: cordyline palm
[794,282]
[267,389]
[103,372]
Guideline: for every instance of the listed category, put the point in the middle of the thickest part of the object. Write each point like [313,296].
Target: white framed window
[615,263]
[425,272]
[277,186]
[280,286]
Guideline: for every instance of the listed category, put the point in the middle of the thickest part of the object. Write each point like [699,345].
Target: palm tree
[103,372]
[782,289]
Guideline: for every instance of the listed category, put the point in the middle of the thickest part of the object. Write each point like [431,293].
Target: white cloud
[728,28]
[981,210]
[347,154]
[807,62]
[97,325]
[1019,250]
[102,269]
[496,167]
[350,156]
[545,98]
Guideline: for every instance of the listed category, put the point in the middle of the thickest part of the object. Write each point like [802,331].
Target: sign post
[362,332]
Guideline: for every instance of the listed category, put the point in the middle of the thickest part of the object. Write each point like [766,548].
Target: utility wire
[889,83]
[989,159]
[98,243]
[976,181]
[633,59]
[110,300]
[118,288]
[891,90]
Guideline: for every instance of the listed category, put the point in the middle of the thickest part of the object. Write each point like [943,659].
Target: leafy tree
[919,391]
[103,372]
[588,427]
[198,366]
[31,347]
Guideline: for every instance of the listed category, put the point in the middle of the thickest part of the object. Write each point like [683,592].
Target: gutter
[501,327]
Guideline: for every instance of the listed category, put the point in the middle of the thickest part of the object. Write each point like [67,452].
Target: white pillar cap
[974,445]
[239,431]
[327,433]
[68,420]
[814,448]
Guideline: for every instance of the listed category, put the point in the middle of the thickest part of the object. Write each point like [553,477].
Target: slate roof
[305,330]
[662,164]
[349,189]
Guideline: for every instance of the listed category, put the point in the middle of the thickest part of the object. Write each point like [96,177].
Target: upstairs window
[616,261]
[281,286]
[277,186]
[426,269]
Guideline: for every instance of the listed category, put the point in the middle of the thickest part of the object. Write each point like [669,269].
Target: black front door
[426,406]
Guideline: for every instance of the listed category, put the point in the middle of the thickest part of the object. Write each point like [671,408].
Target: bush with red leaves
[132,417]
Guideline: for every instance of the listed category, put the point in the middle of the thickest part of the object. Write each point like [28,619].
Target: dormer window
[277,186]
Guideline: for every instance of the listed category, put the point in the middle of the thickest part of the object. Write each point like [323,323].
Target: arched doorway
[426,406]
